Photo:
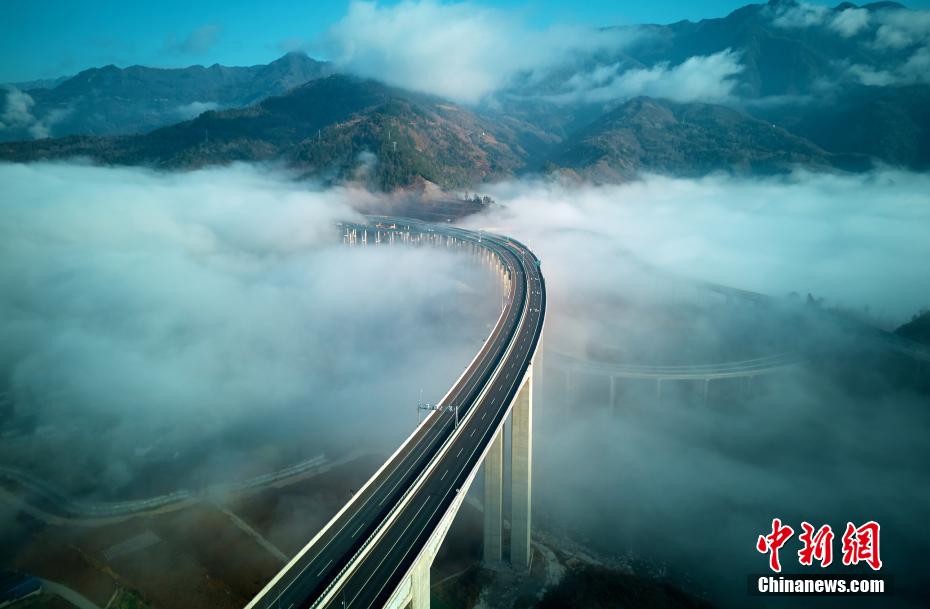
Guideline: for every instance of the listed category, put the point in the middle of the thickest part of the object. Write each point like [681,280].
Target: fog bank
[680,488]
[159,329]
[856,240]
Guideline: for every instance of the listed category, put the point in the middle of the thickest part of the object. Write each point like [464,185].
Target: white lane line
[473,432]
[443,475]
[325,567]
[388,553]
[431,431]
[357,530]
[460,452]
[401,479]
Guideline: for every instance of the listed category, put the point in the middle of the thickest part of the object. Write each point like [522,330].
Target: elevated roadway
[377,549]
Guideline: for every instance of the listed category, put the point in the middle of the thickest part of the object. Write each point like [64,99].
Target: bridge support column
[521,472]
[494,500]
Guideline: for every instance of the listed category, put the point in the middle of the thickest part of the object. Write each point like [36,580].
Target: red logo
[773,542]
[817,545]
[860,544]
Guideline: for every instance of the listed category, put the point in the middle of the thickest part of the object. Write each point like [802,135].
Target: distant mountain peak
[879,6]
[110,100]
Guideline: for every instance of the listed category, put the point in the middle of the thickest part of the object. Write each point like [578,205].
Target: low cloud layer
[211,318]
[888,31]
[679,488]
[895,26]
[195,109]
[18,115]
[700,78]
[461,51]
[856,240]
[210,324]
[850,22]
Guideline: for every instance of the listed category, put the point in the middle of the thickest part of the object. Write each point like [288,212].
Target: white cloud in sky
[461,51]
[896,28]
[195,109]
[916,69]
[18,111]
[869,76]
[902,28]
[846,23]
[701,78]
[917,66]
[466,52]
[800,15]
[18,115]
[850,22]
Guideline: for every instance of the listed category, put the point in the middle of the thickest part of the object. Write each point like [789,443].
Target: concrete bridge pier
[414,590]
[521,483]
[494,500]
[521,472]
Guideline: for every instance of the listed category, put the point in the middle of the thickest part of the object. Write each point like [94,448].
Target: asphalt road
[376,574]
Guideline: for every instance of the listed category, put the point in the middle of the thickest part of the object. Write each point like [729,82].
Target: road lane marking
[388,553]
[432,430]
[325,567]
[528,312]
[357,530]
[443,475]
[409,469]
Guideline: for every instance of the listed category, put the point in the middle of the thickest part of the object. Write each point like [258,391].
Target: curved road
[360,557]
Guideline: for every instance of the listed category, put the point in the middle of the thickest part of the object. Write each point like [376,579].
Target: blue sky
[48,38]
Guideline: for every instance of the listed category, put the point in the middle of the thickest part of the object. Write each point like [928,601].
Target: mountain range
[116,101]
[766,89]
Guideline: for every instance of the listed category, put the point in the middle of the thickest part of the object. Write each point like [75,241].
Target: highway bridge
[570,366]
[378,549]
